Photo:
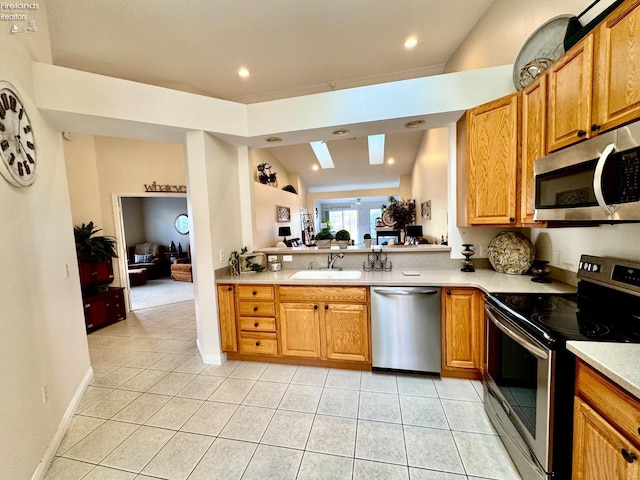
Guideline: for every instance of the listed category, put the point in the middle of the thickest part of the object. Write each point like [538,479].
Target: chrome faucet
[333,258]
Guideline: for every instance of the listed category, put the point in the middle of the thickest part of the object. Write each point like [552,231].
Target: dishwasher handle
[405,291]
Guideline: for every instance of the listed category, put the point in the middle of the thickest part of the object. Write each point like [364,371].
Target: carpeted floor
[162,291]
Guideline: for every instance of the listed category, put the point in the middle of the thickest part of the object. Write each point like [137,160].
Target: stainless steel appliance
[597,180]
[405,329]
[529,374]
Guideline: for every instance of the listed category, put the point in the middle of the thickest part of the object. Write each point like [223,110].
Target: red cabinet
[104,308]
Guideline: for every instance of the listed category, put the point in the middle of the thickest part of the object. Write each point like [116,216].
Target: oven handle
[597,179]
[519,338]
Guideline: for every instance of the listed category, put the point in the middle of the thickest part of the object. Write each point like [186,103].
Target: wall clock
[17,142]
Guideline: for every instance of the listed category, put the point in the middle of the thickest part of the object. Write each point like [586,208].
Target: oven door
[518,394]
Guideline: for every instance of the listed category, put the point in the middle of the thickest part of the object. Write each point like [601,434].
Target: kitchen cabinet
[227,318]
[462,332]
[488,160]
[595,86]
[534,142]
[256,319]
[569,97]
[617,84]
[606,429]
[330,323]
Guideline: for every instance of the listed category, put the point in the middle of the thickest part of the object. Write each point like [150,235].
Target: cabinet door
[492,162]
[534,141]
[115,305]
[570,89]
[227,317]
[463,332]
[598,448]
[95,313]
[617,95]
[299,330]
[347,332]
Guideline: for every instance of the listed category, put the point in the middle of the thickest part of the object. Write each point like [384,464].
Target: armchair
[148,256]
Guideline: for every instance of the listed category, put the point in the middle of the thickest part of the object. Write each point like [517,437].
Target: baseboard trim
[49,455]
[211,358]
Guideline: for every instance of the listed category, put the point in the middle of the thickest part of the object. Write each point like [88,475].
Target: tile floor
[154,410]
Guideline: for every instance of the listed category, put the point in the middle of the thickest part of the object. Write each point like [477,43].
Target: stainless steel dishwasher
[405,329]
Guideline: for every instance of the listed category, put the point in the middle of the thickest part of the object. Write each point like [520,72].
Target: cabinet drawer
[258,324]
[255,292]
[612,402]
[256,309]
[259,343]
[324,294]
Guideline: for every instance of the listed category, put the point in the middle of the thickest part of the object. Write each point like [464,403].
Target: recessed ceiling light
[410,42]
[391,161]
[315,167]
[272,139]
[414,123]
[243,72]
[340,133]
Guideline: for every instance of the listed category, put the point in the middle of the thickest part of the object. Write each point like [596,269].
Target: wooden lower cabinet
[300,330]
[347,332]
[227,318]
[606,429]
[462,332]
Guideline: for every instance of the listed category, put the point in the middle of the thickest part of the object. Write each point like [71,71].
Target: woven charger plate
[511,252]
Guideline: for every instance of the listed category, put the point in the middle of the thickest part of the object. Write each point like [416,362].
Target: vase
[510,252]
[343,243]
[540,271]
[323,243]
[367,243]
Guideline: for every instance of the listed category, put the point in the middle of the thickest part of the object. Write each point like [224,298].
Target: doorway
[152,232]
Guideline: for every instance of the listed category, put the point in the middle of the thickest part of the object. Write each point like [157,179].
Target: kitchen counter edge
[616,361]
[486,280]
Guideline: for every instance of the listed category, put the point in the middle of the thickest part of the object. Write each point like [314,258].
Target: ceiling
[290,47]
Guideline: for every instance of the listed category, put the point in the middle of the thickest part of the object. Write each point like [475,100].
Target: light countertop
[617,361]
[484,279]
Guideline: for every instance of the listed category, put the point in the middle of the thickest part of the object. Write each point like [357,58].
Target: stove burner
[570,324]
[526,302]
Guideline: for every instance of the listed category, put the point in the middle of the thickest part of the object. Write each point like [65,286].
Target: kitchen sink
[326,275]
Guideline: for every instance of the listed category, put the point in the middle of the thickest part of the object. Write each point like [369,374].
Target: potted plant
[89,247]
[343,237]
[367,240]
[323,238]
[402,211]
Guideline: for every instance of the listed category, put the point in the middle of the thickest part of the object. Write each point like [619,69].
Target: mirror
[182,223]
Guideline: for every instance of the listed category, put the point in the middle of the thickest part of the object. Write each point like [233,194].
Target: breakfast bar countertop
[486,280]
[617,361]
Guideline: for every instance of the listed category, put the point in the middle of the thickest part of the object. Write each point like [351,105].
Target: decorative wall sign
[283,214]
[156,187]
[425,209]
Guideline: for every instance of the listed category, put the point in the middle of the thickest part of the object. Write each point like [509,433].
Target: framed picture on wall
[425,210]
[283,214]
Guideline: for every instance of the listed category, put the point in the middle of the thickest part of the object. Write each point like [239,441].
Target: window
[344,220]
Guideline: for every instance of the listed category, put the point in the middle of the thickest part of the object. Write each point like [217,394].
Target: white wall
[159,216]
[429,182]
[496,40]
[42,334]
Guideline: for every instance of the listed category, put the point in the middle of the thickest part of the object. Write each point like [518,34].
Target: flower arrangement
[402,211]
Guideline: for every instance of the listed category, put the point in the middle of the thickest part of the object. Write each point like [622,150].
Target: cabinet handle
[229,289]
[629,456]
[256,324]
[595,127]
[448,292]
[326,307]
[512,219]
[254,293]
[315,307]
[255,309]
[257,344]
[581,133]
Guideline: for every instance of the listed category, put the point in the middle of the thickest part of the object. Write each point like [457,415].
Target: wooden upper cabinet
[488,163]
[227,317]
[617,68]
[569,98]
[534,142]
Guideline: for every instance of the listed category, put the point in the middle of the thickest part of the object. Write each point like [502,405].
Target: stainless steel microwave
[597,180]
